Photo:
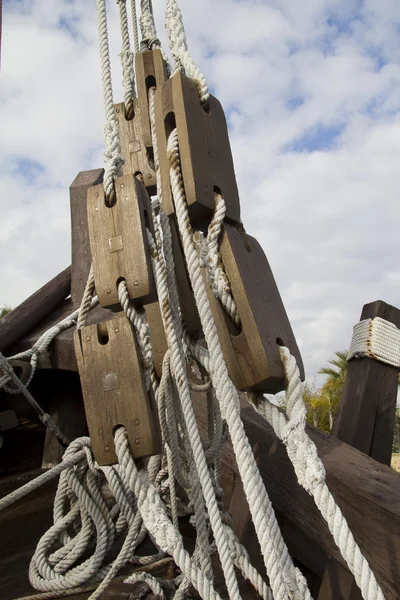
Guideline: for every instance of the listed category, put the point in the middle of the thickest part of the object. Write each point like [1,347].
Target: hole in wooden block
[102,334]
[150,158]
[206,107]
[170,124]
[280,342]
[150,82]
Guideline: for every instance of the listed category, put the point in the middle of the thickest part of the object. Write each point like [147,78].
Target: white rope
[290,428]
[148,27]
[286,580]
[215,267]
[179,49]
[87,298]
[135,27]
[378,339]
[112,154]
[128,76]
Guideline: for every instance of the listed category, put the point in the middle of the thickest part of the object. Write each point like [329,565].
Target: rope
[128,77]
[112,154]
[290,428]
[87,298]
[378,339]
[148,27]
[215,267]
[286,580]
[135,27]
[179,48]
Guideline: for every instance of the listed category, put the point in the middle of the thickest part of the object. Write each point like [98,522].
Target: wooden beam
[367,492]
[32,311]
[367,407]
[81,255]
[365,420]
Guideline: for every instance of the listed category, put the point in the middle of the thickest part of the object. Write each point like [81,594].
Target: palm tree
[333,386]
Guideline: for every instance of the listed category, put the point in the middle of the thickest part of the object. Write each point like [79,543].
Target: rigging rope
[128,77]
[95,506]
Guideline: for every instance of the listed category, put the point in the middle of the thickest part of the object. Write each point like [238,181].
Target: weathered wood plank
[32,311]
[366,491]
[365,420]
[80,246]
[367,407]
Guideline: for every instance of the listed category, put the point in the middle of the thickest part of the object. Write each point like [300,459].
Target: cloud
[311,93]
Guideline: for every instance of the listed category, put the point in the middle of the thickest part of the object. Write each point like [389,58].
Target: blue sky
[312,95]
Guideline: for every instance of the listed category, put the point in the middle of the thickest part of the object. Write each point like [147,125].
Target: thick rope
[135,27]
[87,298]
[112,154]
[179,48]
[286,580]
[148,27]
[128,76]
[215,267]
[290,428]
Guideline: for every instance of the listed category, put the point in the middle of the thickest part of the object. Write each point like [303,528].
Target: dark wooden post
[81,255]
[365,420]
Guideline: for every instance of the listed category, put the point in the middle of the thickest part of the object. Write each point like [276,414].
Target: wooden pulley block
[150,71]
[159,343]
[252,351]
[189,312]
[206,157]
[114,390]
[118,241]
[137,153]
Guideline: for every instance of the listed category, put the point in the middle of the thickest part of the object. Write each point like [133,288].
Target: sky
[311,91]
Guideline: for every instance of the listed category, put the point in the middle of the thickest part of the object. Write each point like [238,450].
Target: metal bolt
[135,283]
[137,441]
[101,432]
[149,175]
[117,110]
[108,291]
[136,422]
[97,208]
[116,330]
[122,185]
[107,448]
[97,193]
[87,338]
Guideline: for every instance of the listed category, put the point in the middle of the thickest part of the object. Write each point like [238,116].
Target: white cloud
[311,91]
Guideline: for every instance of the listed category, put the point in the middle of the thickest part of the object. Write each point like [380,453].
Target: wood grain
[252,353]
[138,156]
[150,70]
[118,241]
[114,390]
[205,152]
[80,244]
[20,321]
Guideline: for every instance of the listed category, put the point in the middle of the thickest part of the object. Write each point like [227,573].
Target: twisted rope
[179,48]
[135,27]
[128,76]
[286,580]
[112,154]
[289,426]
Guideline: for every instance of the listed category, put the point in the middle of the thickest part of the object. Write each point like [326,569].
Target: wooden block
[137,153]
[190,315]
[114,390]
[118,241]
[80,244]
[252,353]
[157,335]
[206,157]
[150,70]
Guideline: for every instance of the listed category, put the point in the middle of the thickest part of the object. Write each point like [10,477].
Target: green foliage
[4,311]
